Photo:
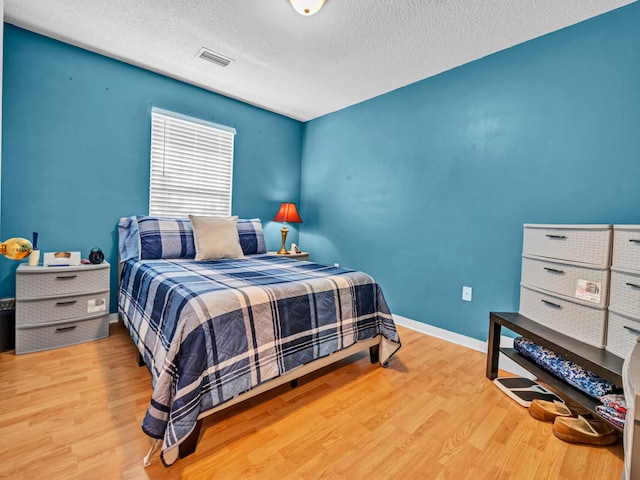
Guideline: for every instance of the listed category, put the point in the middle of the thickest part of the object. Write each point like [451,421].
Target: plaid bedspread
[210,331]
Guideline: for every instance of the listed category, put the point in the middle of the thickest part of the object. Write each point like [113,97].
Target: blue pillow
[251,236]
[165,238]
[128,239]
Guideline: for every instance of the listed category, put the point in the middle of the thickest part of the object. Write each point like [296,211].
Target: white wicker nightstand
[60,306]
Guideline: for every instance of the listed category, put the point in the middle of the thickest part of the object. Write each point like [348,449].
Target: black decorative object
[96,256]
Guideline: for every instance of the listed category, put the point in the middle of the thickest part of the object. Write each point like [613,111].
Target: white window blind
[191,166]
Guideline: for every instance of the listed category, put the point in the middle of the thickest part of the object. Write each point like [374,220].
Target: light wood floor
[76,413]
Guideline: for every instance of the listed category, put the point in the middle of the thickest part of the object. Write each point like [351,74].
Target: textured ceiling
[301,67]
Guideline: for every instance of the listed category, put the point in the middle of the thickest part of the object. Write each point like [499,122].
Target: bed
[215,332]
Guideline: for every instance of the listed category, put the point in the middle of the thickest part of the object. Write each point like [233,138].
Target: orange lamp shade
[288,213]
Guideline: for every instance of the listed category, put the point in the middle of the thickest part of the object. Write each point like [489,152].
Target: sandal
[581,430]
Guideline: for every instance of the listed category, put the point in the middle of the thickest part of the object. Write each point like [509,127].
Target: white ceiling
[301,67]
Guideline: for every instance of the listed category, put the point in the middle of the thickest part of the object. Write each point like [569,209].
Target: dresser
[565,279]
[564,294]
[624,301]
[60,306]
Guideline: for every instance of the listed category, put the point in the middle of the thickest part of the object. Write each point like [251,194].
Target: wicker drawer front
[45,337]
[47,310]
[583,244]
[626,247]
[586,324]
[625,291]
[61,281]
[623,332]
[565,279]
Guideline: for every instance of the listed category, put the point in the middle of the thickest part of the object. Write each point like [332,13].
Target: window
[191,166]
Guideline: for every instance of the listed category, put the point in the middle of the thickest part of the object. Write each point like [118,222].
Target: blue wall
[427,187]
[76,134]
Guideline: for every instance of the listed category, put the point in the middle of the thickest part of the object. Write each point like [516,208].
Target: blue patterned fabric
[210,331]
[251,236]
[573,374]
[165,238]
[612,415]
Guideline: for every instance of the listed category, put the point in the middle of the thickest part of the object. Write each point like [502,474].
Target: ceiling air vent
[214,57]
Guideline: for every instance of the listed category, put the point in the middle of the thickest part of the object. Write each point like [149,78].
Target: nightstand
[60,306]
[295,256]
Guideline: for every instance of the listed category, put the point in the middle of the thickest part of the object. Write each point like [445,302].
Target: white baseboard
[113,318]
[504,362]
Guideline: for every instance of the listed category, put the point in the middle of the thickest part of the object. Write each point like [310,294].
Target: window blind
[191,166]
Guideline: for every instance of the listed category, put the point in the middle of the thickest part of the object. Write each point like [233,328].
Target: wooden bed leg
[189,445]
[294,383]
[374,353]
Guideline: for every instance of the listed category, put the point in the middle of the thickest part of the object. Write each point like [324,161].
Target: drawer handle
[68,302]
[634,240]
[65,277]
[551,304]
[65,329]
[632,330]
[634,285]
[553,270]
[558,237]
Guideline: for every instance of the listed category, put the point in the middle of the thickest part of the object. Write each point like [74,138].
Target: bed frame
[188,446]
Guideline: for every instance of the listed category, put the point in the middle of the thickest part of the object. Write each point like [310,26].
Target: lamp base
[284,231]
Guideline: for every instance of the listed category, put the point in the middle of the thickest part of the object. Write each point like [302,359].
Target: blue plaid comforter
[209,331]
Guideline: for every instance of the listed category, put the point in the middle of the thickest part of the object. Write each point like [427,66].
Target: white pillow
[216,237]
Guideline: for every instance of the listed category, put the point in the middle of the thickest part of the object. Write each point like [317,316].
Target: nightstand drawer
[52,281]
[47,310]
[33,339]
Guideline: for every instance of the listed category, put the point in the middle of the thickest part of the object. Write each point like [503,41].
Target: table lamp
[287,214]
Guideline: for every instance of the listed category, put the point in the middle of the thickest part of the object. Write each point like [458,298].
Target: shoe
[548,411]
[581,430]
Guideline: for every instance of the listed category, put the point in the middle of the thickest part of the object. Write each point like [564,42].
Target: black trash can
[7,324]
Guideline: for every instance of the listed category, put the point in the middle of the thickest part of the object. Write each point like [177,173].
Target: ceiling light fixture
[307,7]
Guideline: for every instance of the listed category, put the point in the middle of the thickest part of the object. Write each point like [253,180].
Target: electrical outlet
[466,293]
